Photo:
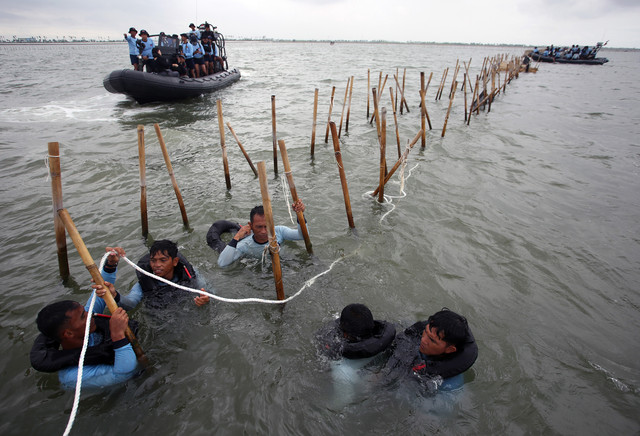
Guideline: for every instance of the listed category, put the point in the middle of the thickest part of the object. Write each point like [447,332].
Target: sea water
[526,222]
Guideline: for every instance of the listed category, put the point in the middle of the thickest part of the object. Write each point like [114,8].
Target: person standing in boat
[146,45]
[208,53]
[187,51]
[194,31]
[198,56]
[252,238]
[133,48]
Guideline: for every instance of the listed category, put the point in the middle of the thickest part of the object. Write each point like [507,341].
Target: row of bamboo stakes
[490,70]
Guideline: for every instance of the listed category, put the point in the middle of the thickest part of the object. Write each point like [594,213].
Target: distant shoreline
[299,41]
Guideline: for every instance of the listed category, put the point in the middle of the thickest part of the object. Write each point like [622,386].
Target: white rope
[286,191]
[76,400]
[233,300]
[388,199]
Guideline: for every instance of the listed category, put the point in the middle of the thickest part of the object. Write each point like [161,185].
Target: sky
[526,22]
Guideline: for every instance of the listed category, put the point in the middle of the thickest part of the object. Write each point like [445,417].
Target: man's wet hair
[53,317]
[451,327]
[258,210]
[356,321]
[164,246]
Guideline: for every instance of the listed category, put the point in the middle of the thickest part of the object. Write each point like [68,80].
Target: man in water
[110,359]
[133,47]
[164,261]
[442,346]
[355,335]
[243,245]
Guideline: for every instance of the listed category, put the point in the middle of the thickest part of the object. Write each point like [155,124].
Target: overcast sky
[528,22]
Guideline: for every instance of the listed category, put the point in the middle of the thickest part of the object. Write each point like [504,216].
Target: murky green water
[526,222]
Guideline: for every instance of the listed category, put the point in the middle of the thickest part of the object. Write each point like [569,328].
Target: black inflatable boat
[148,87]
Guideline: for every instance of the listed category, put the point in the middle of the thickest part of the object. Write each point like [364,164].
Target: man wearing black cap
[195,31]
[133,48]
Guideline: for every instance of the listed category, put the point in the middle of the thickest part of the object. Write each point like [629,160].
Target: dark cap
[192,25]
[183,34]
[132,29]
[144,32]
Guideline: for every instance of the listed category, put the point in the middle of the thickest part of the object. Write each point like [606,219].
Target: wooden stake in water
[225,162]
[343,177]
[143,182]
[399,161]
[346,128]
[395,120]
[56,193]
[383,150]
[246,156]
[294,195]
[315,118]
[326,135]
[368,88]
[423,119]
[97,278]
[446,118]
[403,100]
[167,161]
[274,248]
[401,94]
[273,134]
[344,105]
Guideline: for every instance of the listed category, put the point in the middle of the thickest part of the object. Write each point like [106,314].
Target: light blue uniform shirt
[249,247]
[94,376]
[133,48]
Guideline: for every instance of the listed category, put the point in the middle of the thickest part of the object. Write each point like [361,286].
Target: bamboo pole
[344,105]
[368,88]
[383,149]
[422,116]
[399,161]
[446,118]
[464,86]
[401,94]
[167,161]
[294,195]
[343,177]
[404,100]
[326,135]
[225,161]
[97,278]
[346,128]
[455,76]
[375,112]
[274,248]
[315,119]
[444,75]
[379,96]
[395,121]
[395,103]
[56,193]
[246,156]
[473,98]
[273,134]
[143,182]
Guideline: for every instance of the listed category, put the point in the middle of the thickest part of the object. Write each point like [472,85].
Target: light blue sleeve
[229,255]
[95,376]
[284,233]
[133,298]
